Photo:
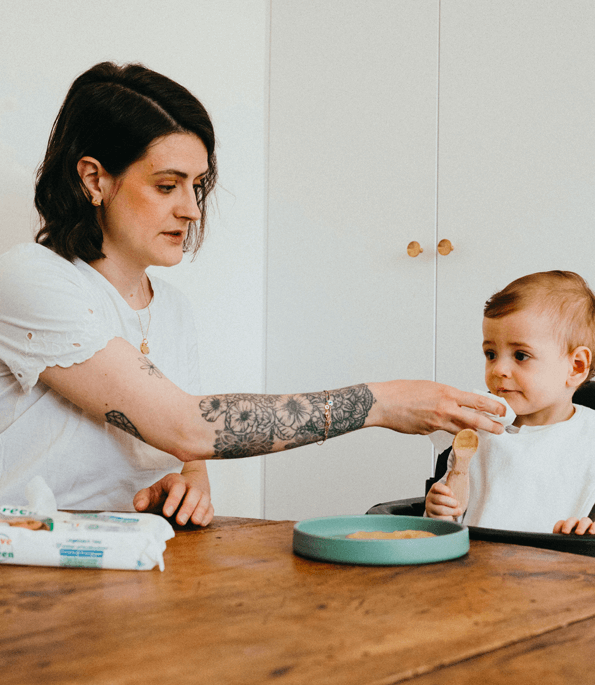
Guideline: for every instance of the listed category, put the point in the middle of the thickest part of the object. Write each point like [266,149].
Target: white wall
[218,50]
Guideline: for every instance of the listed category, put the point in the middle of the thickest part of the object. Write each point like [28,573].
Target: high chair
[576,544]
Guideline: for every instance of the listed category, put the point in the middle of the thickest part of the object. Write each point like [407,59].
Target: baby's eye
[490,354]
[521,356]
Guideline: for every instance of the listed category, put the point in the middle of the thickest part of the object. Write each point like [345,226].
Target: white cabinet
[352,175]
[412,120]
[516,158]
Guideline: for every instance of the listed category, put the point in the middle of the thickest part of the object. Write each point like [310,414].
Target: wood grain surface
[558,657]
[235,605]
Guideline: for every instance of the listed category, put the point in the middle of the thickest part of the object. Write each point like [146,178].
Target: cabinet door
[352,180]
[517,159]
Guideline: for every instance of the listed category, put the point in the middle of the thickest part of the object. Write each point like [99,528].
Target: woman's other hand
[187,492]
[584,526]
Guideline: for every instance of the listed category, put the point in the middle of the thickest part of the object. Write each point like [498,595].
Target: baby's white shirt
[529,478]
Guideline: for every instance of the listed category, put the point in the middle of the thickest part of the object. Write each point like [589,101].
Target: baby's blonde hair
[563,295]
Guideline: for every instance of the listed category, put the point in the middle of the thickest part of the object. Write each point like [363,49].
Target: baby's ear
[581,364]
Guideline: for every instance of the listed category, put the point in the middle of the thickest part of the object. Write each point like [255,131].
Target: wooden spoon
[464,447]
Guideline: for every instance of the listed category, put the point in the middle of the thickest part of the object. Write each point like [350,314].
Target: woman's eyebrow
[175,172]
[172,172]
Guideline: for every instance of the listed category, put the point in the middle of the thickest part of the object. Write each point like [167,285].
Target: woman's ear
[580,359]
[93,176]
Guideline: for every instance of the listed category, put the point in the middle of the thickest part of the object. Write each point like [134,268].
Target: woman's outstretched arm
[121,386]
[124,388]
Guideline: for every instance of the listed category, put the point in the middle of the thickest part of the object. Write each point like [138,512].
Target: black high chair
[575,544]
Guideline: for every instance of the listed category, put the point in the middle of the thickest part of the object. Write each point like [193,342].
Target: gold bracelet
[327,417]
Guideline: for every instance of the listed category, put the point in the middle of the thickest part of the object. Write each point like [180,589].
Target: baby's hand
[441,503]
[573,525]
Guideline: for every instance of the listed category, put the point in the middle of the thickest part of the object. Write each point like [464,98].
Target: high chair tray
[574,544]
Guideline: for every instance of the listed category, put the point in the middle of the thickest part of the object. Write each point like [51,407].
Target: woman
[98,381]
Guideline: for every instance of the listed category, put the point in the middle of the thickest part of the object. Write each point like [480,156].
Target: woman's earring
[96,202]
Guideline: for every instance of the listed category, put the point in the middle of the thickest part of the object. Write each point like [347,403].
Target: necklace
[144,346]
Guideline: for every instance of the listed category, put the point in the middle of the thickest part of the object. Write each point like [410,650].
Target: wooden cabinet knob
[414,248]
[445,247]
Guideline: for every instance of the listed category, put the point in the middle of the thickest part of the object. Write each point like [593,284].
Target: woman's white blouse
[53,312]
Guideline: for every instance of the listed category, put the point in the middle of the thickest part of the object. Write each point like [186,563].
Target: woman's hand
[572,525]
[188,492]
[441,503]
[424,407]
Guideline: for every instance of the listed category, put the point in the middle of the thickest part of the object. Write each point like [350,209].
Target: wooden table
[234,605]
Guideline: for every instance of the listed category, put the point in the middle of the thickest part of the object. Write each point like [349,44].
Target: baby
[538,476]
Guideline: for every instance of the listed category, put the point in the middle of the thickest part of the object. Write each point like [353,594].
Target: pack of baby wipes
[40,535]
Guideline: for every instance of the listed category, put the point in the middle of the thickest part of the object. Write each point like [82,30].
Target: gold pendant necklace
[144,346]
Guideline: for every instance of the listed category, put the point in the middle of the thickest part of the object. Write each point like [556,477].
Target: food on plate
[394,535]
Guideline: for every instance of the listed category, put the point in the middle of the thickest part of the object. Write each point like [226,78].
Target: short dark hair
[563,295]
[112,113]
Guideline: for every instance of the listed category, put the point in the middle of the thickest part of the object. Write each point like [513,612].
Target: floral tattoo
[252,423]
[147,365]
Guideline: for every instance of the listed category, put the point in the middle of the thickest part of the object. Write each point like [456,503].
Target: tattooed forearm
[116,418]
[253,423]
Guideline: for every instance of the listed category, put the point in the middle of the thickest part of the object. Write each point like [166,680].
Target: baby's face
[525,364]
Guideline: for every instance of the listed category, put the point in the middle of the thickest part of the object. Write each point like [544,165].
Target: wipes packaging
[40,535]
